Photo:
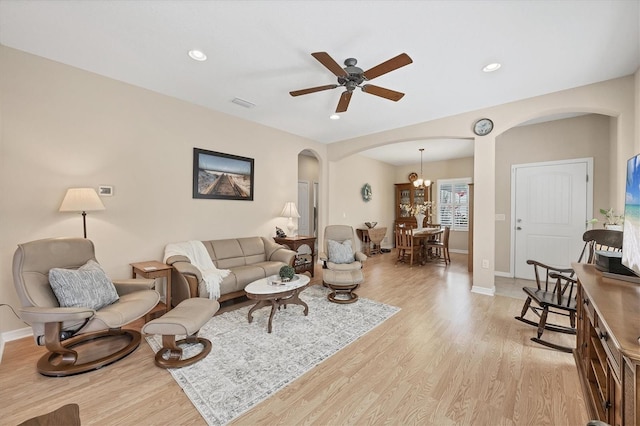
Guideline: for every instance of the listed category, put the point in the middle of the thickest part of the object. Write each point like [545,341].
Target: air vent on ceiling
[243,103]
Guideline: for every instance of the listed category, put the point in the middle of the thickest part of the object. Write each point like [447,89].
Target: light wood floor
[448,357]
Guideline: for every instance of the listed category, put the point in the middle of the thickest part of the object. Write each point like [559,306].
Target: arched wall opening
[614,98]
[308,199]
[548,138]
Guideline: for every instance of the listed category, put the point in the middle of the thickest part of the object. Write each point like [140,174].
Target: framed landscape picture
[222,176]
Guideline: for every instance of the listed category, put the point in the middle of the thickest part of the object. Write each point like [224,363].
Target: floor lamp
[290,211]
[81,200]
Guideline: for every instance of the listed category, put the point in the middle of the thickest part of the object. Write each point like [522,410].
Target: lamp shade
[290,210]
[81,200]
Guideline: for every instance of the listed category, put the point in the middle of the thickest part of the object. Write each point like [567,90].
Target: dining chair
[405,244]
[441,245]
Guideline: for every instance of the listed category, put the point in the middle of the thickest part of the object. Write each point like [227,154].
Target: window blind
[453,203]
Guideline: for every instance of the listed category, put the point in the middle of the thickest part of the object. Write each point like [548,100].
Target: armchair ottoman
[185,319]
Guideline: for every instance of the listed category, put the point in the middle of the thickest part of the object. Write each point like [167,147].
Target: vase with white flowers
[419,211]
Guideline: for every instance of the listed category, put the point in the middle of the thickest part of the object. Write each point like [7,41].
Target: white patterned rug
[247,365]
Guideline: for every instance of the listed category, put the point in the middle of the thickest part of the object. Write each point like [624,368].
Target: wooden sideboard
[608,346]
[406,193]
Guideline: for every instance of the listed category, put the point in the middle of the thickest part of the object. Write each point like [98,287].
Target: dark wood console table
[294,243]
[608,346]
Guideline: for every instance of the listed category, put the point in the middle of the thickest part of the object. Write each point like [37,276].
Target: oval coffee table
[276,295]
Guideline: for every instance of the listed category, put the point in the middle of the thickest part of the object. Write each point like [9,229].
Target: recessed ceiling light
[492,67]
[334,117]
[197,55]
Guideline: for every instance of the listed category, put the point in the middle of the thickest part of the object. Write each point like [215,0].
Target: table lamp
[290,211]
[81,200]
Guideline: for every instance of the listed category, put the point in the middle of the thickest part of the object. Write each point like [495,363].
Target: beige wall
[346,205]
[434,170]
[580,137]
[614,98]
[63,127]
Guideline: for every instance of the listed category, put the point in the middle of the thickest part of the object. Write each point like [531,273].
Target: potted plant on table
[286,273]
[612,220]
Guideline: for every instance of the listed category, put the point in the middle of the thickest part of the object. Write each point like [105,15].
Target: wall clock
[366,192]
[483,127]
[413,176]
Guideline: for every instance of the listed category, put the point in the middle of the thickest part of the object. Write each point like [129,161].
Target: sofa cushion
[227,253]
[253,249]
[340,252]
[270,267]
[85,287]
[248,274]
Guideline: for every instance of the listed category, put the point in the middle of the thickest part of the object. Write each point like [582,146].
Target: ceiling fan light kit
[351,77]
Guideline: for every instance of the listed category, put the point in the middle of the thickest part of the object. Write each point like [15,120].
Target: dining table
[420,237]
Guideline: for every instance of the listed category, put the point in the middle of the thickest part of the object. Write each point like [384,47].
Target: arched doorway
[308,192]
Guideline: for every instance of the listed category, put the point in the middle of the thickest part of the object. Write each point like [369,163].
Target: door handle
[518,228]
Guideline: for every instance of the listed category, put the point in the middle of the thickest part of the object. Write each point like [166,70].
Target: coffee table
[276,295]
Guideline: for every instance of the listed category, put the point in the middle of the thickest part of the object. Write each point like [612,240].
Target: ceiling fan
[351,77]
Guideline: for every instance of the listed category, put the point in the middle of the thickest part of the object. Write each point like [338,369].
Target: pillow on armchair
[340,252]
[85,287]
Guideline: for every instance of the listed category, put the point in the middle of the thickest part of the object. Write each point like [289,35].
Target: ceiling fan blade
[392,64]
[343,104]
[329,63]
[392,95]
[313,90]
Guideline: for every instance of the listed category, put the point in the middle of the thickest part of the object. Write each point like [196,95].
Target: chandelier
[421,182]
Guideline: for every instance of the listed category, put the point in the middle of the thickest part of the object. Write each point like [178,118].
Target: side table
[363,234]
[294,243]
[153,269]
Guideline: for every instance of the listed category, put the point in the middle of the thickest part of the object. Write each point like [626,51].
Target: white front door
[550,213]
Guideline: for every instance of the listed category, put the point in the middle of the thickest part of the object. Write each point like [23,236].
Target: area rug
[247,365]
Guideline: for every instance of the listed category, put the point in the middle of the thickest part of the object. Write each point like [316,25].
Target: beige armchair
[342,263]
[75,335]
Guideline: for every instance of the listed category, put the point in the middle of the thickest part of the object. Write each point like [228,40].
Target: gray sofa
[248,259]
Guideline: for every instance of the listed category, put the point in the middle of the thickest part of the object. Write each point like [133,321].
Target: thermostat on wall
[105,191]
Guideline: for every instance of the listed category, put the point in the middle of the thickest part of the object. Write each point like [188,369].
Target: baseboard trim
[483,290]
[8,336]
[503,274]
[459,251]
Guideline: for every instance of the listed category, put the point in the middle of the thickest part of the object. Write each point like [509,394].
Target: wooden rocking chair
[555,290]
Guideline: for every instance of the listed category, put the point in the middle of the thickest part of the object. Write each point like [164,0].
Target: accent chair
[74,333]
[342,263]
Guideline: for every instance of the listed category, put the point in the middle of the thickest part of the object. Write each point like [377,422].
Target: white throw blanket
[199,257]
